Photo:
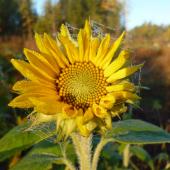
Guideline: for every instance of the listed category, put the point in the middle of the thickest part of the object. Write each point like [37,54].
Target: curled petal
[99,111]
[107,101]
[70,111]
[118,109]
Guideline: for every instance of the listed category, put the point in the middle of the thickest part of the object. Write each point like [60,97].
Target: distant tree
[10,18]
[28,16]
[147,30]
[50,15]
[48,21]
[107,12]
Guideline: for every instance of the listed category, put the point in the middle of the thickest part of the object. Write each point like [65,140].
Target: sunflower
[81,84]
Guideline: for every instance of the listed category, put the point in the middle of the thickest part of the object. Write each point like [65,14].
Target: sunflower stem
[83,149]
[69,164]
[98,150]
[65,160]
[126,156]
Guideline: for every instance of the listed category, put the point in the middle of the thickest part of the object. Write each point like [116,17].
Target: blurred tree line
[18,17]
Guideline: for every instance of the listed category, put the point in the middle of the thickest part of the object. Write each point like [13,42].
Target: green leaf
[39,158]
[162,157]
[19,139]
[42,157]
[142,154]
[135,131]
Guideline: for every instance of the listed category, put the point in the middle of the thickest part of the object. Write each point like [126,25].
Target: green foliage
[44,154]
[137,132]
[16,17]
[109,13]
[7,117]
[42,157]
[19,139]
[28,16]
[142,155]
[10,19]
[105,12]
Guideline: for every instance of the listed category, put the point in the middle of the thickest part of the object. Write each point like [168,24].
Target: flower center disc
[82,84]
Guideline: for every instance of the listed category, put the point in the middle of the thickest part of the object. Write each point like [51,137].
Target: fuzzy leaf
[135,131]
[18,139]
[43,156]
[142,154]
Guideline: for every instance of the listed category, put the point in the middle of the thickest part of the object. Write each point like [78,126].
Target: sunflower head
[79,83]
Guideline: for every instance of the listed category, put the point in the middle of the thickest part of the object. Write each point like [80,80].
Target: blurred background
[147,23]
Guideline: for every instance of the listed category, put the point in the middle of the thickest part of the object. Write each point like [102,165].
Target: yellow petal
[107,101]
[88,115]
[70,126]
[42,91]
[123,73]
[115,46]
[60,119]
[31,73]
[23,85]
[99,111]
[91,125]
[65,33]
[108,121]
[70,111]
[71,50]
[118,109]
[87,51]
[47,106]
[51,60]
[127,86]
[52,46]
[102,50]
[43,47]
[87,28]
[93,49]
[40,43]
[18,102]
[86,35]
[117,63]
[82,128]
[125,95]
[21,101]
[80,45]
[86,40]
[40,63]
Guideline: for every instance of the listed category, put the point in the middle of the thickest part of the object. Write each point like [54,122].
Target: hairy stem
[83,149]
[69,164]
[65,160]
[98,150]
[126,156]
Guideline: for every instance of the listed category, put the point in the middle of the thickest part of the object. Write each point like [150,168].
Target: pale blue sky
[155,11]
[39,5]
[139,11]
